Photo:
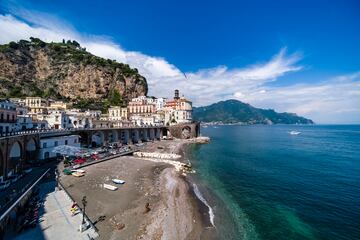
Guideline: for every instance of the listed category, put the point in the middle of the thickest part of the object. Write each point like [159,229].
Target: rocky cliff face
[64,70]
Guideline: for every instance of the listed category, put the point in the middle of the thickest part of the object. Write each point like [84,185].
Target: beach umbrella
[67,150]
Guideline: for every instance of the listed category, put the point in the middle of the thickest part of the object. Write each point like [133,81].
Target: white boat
[294,133]
[110,187]
[118,181]
[79,170]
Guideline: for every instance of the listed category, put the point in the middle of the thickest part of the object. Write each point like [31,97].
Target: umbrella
[67,150]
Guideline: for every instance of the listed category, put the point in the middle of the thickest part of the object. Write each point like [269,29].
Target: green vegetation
[115,98]
[63,60]
[233,111]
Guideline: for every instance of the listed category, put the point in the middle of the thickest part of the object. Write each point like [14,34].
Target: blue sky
[299,57]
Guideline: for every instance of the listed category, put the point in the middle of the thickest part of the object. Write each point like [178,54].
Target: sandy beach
[156,202]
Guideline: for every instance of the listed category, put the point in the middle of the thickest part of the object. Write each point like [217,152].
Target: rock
[63,70]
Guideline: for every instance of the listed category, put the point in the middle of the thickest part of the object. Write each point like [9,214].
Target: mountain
[234,111]
[66,71]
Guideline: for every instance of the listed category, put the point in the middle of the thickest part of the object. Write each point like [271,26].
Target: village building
[36,104]
[118,113]
[8,117]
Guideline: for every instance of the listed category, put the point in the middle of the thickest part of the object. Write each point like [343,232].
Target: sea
[280,181]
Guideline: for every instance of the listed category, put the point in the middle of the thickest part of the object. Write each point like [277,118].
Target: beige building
[36,104]
[178,110]
[58,105]
[141,107]
[118,113]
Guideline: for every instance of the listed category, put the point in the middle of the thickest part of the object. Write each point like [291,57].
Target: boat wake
[203,200]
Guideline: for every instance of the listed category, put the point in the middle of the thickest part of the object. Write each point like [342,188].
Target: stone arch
[151,133]
[186,132]
[135,136]
[113,136]
[31,148]
[15,157]
[98,139]
[125,135]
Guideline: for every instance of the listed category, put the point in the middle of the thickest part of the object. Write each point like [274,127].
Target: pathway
[56,221]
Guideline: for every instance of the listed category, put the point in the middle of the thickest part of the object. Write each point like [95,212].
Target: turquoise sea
[261,182]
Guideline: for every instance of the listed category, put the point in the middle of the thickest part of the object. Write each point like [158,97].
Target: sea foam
[203,200]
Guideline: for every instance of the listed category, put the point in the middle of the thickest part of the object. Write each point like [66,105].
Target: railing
[39,131]
[22,196]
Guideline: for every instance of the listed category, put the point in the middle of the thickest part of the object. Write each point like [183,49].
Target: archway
[15,159]
[30,151]
[113,136]
[135,136]
[97,139]
[125,136]
[186,132]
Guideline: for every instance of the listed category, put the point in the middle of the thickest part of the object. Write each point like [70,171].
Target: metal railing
[22,196]
[40,131]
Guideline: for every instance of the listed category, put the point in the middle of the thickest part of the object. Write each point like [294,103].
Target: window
[44,145]
[75,140]
[56,143]
[66,142]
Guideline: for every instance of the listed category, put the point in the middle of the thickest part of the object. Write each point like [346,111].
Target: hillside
[233,111]
[66,71]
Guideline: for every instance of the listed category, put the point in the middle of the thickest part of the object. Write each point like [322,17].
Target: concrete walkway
[56,221]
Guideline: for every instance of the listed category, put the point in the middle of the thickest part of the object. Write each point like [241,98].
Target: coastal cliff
[65,71]
[234,111]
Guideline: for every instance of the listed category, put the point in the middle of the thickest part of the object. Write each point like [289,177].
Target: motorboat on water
[294,133]
[118,181]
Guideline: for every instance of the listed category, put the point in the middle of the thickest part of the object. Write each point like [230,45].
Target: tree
[115,98]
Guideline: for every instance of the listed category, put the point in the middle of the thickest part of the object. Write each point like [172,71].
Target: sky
[291,56]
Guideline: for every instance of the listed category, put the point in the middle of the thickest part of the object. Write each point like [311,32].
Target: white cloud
[318,101]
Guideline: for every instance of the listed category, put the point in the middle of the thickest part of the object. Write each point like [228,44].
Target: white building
[142,121]
[24,122]
[95,114]
[78,119]
[7,117]
[49,145]
[160,103]
[57,119]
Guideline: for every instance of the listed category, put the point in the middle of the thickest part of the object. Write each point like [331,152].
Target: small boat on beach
[294,133]
[110,187]
[77,174]
[78,170]
[118,181]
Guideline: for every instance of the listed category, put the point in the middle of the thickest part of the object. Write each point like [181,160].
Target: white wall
[50,144]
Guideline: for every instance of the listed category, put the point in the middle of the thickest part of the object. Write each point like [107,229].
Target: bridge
[21,149]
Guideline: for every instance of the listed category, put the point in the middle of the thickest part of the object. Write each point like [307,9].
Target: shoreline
[156,202]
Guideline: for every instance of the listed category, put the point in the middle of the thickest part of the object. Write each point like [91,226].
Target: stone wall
[184,130]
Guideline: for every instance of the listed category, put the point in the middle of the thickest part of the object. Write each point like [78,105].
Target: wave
[203,200]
